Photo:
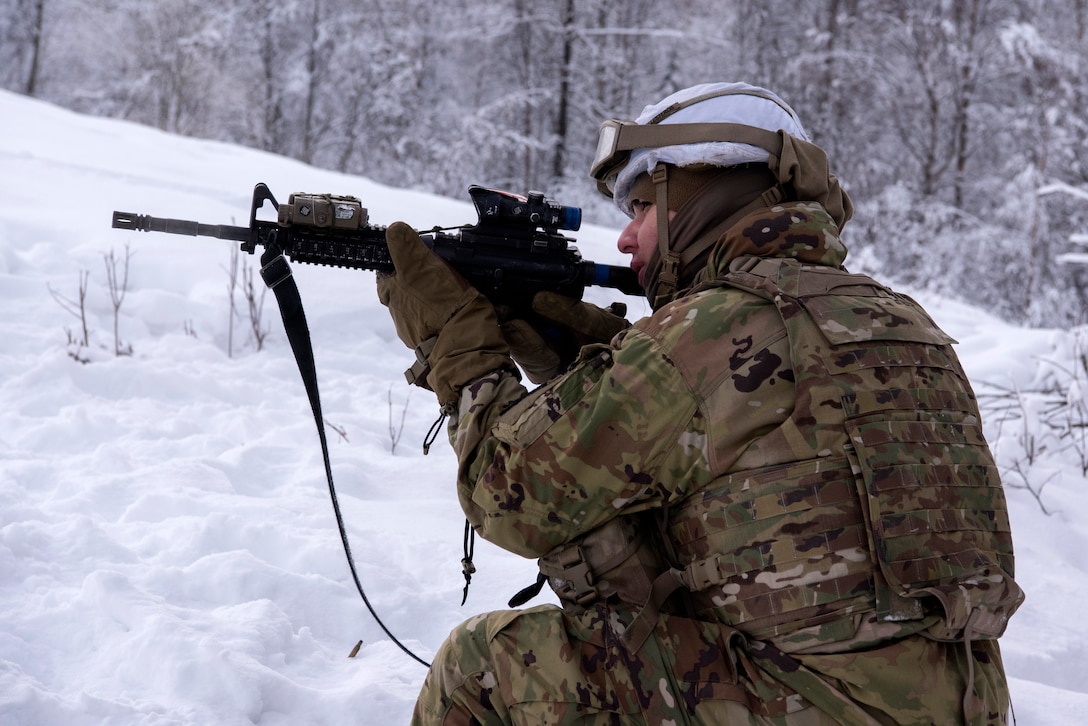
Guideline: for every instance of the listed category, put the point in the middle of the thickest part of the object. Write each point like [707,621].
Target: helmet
[716,124]
[731,125]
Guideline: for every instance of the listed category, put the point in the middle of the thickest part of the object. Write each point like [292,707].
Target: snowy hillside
[168,551]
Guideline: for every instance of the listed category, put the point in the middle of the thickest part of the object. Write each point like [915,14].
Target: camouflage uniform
[811,452]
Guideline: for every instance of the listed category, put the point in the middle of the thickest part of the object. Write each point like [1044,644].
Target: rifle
[515,250]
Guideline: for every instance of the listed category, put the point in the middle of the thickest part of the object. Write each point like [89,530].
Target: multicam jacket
[807,436]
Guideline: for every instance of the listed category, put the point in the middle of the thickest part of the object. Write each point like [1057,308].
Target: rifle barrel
[620,278]
[147,223]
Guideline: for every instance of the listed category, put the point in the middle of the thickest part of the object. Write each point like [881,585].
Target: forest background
[956,126]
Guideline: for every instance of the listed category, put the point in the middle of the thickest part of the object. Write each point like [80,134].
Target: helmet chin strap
[669,278]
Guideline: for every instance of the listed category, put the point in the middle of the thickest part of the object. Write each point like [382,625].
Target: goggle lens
[608,161]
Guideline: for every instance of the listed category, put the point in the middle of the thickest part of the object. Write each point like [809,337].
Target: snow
[168,550]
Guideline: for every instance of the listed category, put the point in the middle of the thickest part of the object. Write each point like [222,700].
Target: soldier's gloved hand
[452,327]
[548,342]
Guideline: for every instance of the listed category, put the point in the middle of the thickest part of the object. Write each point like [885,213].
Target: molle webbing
[935,513]
[789,545]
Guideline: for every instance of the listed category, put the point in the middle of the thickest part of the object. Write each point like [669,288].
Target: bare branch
[118,288]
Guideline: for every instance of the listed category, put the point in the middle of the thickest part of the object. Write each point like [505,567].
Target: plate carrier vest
[892,501]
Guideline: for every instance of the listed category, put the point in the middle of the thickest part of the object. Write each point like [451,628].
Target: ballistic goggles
[617,139]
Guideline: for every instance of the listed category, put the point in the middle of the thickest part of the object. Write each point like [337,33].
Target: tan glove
[548,343]
[452,327]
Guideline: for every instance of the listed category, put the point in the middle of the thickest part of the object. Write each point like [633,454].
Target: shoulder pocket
[524,422]
[853,308]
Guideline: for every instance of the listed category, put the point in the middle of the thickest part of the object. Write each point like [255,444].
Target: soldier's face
[639,237]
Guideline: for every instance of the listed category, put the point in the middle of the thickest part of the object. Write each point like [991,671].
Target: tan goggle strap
[634,136]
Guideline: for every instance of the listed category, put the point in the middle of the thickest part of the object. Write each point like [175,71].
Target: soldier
[769,502]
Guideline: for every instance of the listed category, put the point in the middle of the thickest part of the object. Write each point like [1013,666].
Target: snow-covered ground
[168,551]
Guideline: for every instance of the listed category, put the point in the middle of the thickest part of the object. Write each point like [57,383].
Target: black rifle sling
[276,274]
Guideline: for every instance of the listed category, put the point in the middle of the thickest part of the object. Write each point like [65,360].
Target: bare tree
[35,39]
[255,305]
[117,284]
[22,39]
[232,312]
[78,308]
[396,430]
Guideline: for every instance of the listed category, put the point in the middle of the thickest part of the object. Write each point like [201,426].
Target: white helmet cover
[738,103]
